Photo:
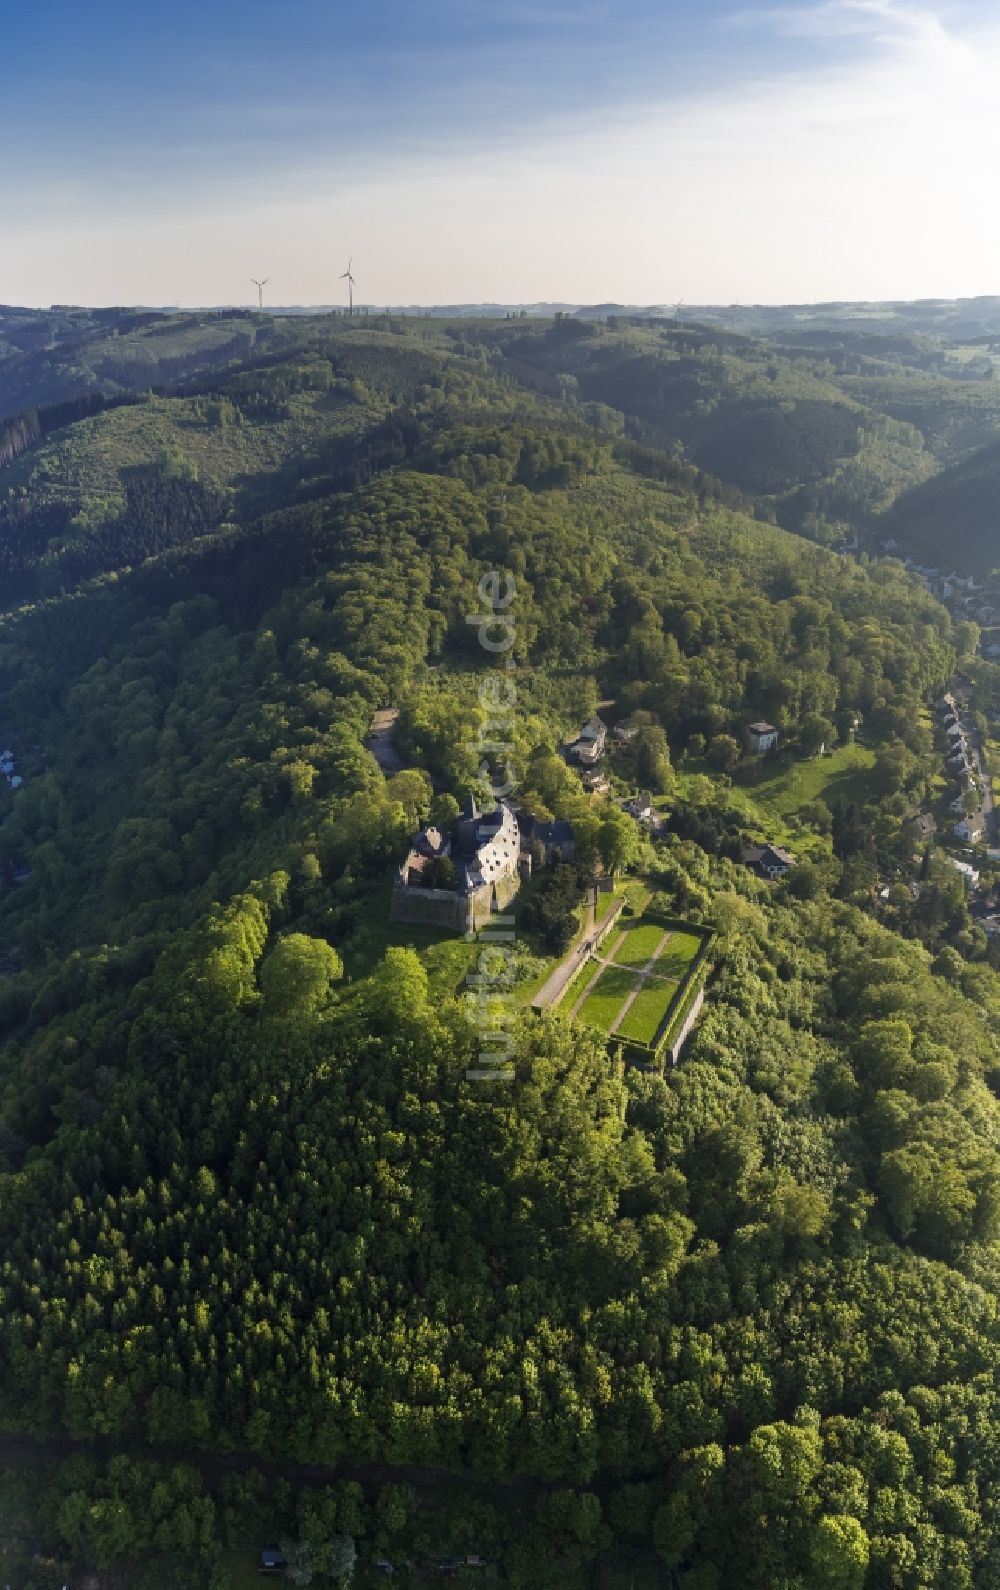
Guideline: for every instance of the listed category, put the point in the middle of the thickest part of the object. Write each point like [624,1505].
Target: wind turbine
[346,276]
[260,289]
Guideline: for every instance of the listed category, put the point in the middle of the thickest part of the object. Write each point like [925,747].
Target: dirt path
[643,974]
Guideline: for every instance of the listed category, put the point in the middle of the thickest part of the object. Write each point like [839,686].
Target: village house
[769,861]
[986,916]
[969,873]
[589,745]
[763,737]
[484,852]
[595,782]
[640,806]
[970,829]
[626,731]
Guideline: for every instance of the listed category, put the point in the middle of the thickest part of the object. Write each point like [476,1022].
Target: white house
[763,737]
[588,747]
[970,829]
[969,873]
[640,807]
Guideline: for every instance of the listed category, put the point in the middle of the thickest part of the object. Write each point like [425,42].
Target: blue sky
[464,149]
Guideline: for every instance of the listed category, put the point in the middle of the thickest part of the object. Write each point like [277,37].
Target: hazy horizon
[537,307]
[567,152]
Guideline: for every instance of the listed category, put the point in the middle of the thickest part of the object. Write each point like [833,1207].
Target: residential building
[987,916]
[640,806]
[763,737]
[589,745]
[922,827]
[596,782]
[969,873]
[770,861]
[970,829]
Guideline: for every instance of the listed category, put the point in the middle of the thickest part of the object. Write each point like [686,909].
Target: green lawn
[605,903]
[680,951]
[637,894]
[602,1005]
[787,786]
[574,988]
[638,943]
[642,1021]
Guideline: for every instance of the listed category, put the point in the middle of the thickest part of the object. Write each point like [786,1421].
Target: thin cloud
[879,20]
[856,175]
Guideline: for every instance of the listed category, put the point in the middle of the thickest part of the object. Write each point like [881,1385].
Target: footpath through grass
[602,1004]
[678,953]
[638,944]
[643,1017]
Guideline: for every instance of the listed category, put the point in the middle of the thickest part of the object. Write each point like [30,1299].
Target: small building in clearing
[763,737]
[640,806]
[769,861]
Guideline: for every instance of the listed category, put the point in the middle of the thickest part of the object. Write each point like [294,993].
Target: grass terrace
[638,943]
[653,976]
[786,785]
[646,1014]
[605,1000]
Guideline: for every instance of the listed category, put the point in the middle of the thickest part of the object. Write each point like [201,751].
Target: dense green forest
[832,433]
[268,1255]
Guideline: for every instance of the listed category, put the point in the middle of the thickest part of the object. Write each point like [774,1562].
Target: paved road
[986,805]
[380,741]
[567,969]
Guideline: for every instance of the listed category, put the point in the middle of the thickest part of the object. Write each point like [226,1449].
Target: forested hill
[822,426]
[953,518]
[735,1323]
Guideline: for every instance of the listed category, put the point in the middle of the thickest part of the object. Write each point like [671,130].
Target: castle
[484,875]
